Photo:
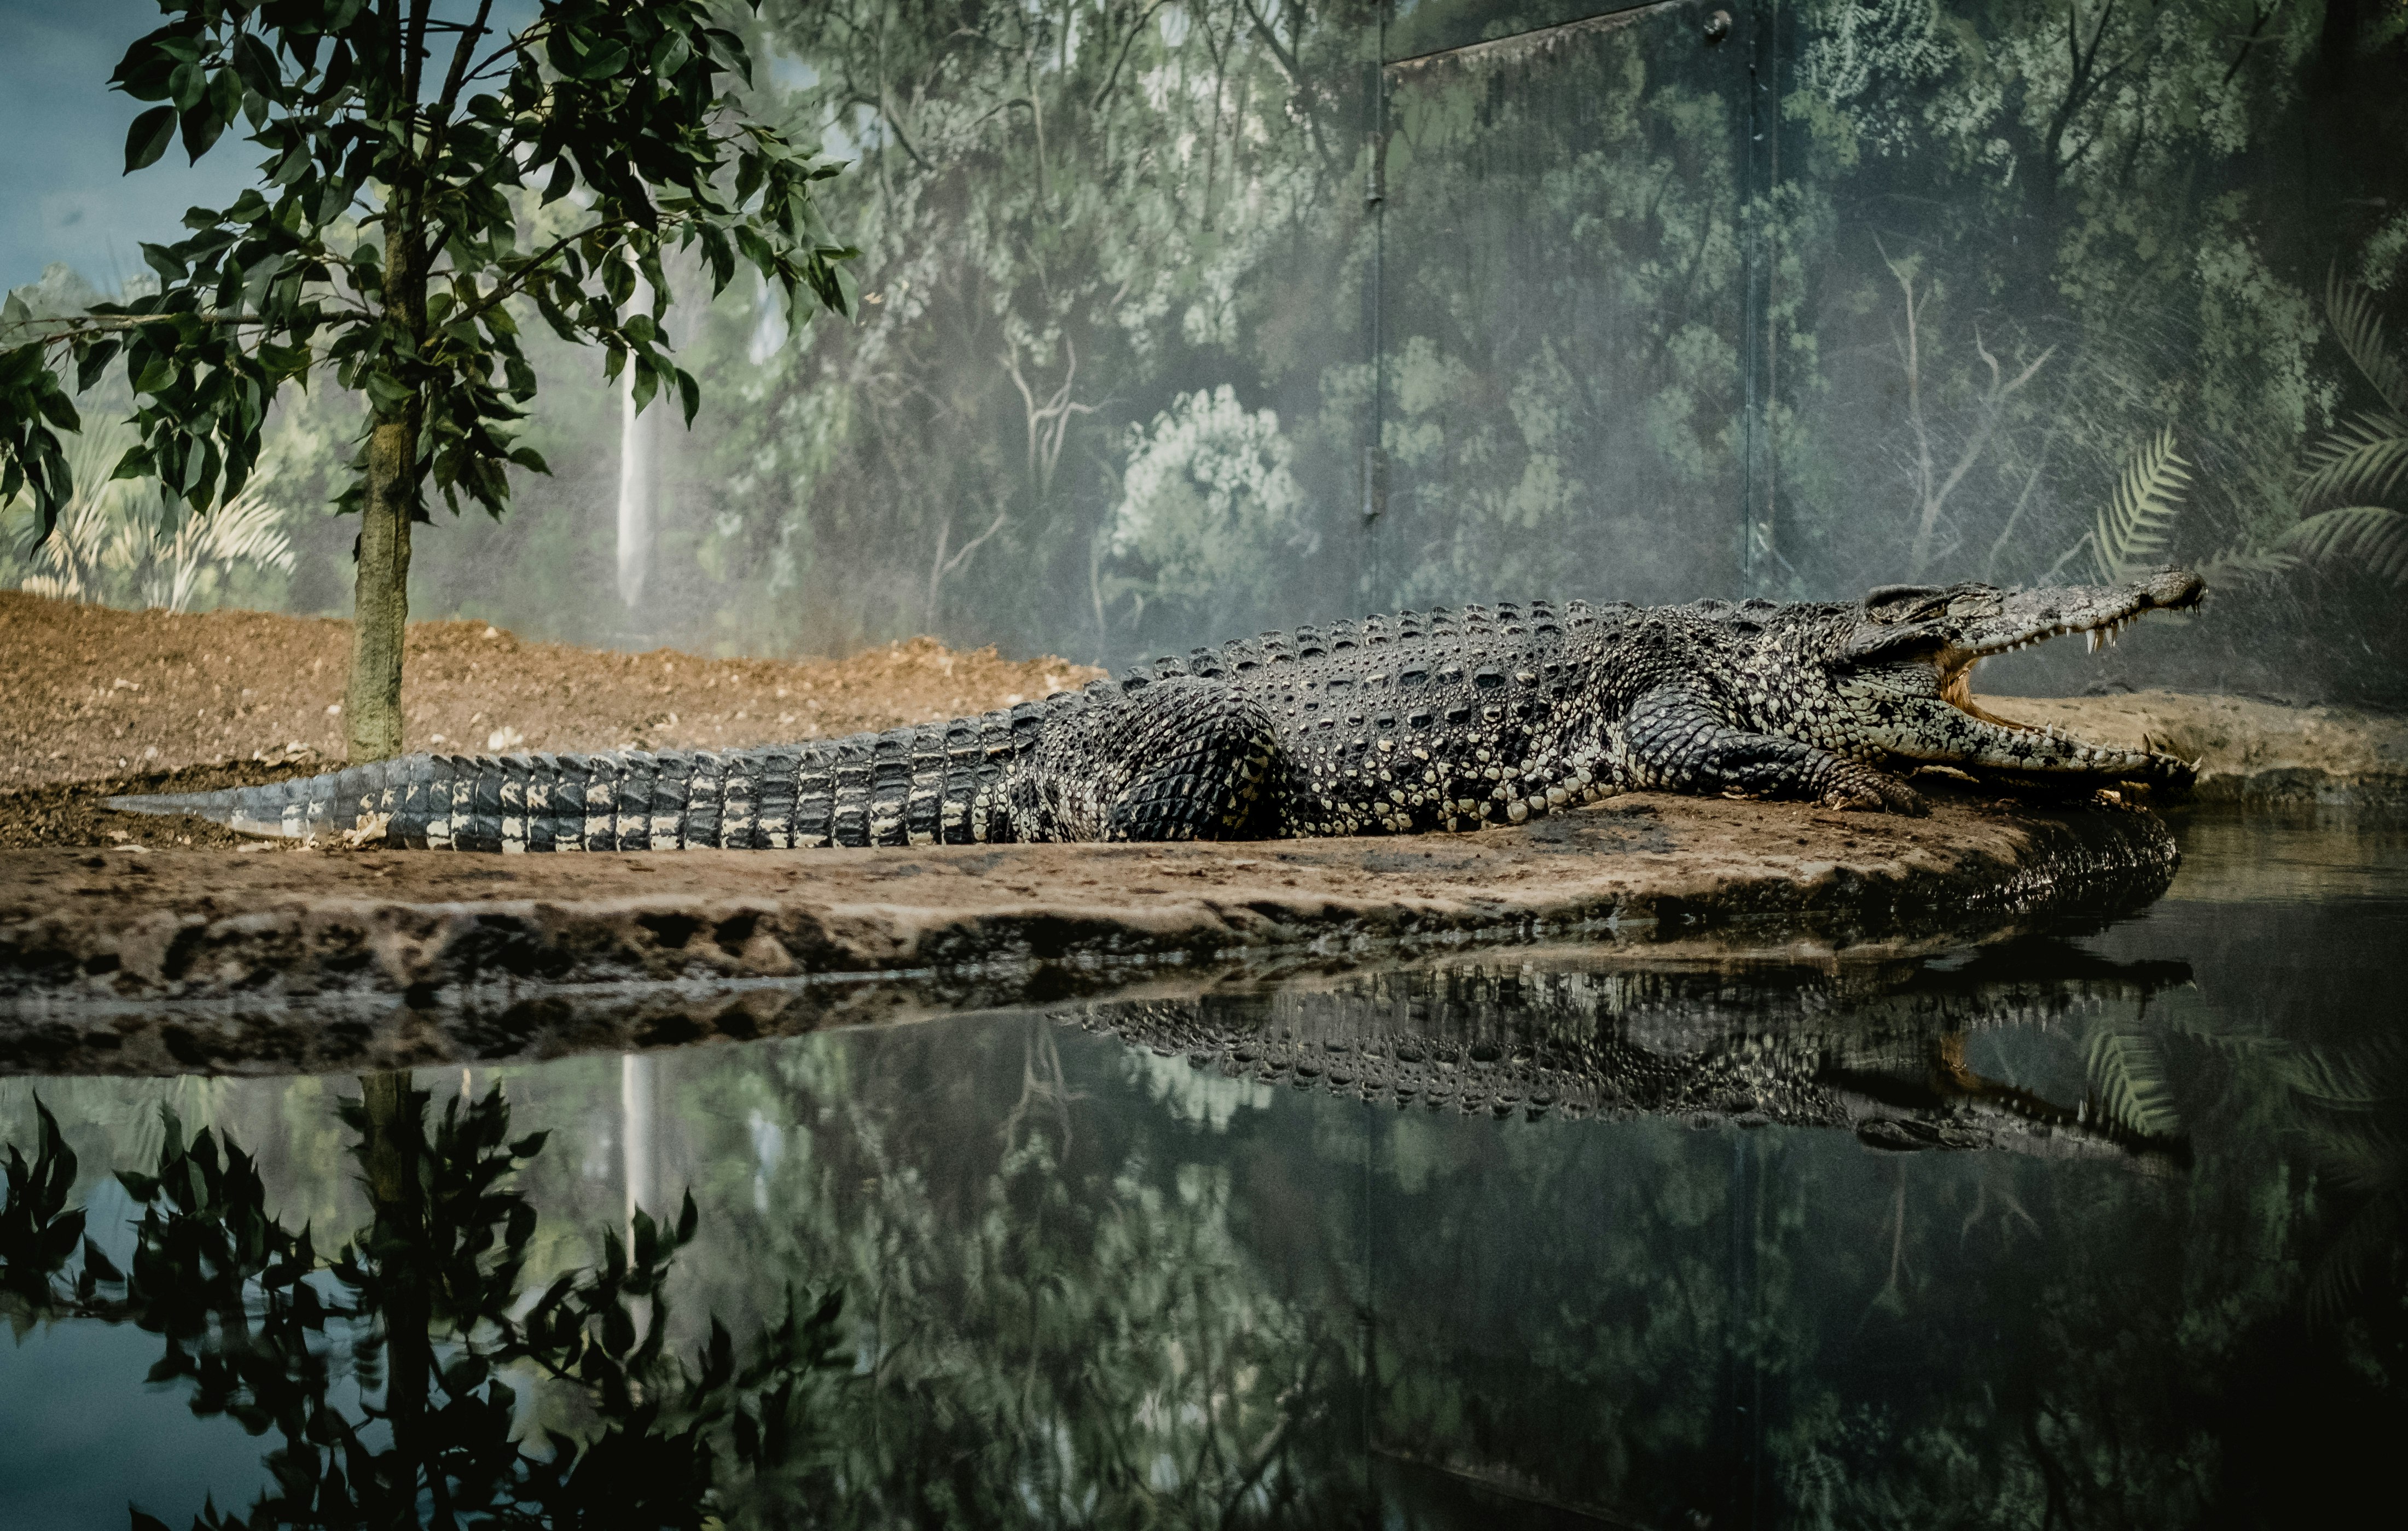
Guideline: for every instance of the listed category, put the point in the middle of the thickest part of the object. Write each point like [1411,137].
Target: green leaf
[202,126]
[256,64]
[57,408]
[94,362]
[149,137]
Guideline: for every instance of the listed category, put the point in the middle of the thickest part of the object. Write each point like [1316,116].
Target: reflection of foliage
[1061,1322]
[2364,460]
[38,1230]
[118,540]
[424,1314]
[2358,1134]
[2124,1081]
[1079,215]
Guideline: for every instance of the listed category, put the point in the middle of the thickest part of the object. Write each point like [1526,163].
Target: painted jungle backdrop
[1178,319]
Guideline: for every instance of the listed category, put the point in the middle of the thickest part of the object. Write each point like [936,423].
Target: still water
[2099,1227]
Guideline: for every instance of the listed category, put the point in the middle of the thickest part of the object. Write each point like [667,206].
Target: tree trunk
[380,607]
[372,701]
[398,1239]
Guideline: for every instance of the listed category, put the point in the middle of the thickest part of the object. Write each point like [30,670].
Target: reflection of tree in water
[384,1368]
[1088,1282]
[1060,1317]
[1048,1323]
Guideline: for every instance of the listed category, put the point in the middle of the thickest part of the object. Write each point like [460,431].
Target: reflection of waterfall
[635,1135]
[638,476]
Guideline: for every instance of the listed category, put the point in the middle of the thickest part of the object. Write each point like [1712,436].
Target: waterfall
[638,477]
[635,1152]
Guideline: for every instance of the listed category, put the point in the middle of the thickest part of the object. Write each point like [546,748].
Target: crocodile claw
[1868,790]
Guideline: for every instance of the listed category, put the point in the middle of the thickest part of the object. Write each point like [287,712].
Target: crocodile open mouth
[1957,666]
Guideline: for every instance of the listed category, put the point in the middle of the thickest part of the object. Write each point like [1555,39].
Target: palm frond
[2124,1082]
[2375,536]
[2134,522]
[2364,458]
[2360,329]
[115,539]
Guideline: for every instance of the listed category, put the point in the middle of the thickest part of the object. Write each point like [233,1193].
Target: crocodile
[1448,721]
[1881,1052]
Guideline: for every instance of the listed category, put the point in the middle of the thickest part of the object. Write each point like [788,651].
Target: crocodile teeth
[2093,636]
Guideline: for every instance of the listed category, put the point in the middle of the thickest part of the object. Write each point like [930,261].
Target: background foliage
[1141,283]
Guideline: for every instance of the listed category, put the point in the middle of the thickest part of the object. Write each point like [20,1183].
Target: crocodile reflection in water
[1877,1051]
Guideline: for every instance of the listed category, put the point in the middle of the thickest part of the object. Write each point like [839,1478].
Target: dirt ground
[96,702]
[169,961]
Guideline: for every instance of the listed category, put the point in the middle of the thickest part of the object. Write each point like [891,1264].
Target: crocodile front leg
[1674,740]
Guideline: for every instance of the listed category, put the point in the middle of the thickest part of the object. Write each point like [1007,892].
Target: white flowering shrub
[1208,503]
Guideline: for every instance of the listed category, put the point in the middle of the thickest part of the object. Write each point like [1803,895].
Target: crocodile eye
[1904,602]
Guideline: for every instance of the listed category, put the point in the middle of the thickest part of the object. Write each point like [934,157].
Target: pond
[2097,1224]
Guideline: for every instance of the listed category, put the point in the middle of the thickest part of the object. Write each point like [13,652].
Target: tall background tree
[429,177]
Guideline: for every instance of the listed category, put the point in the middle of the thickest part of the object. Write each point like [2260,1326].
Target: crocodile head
[1900,665]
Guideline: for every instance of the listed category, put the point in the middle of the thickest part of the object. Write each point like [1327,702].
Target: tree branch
[1113,73]
[516,281]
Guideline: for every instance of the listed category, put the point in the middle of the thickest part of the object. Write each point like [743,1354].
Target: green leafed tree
[429,178]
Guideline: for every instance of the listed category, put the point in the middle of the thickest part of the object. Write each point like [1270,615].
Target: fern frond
[2364,1252]
[2242,565]
[2126,1083]
[2360,329]
[2362,459]
[2134,522]
[2357,1156]
[2359,1078]
[2375,536]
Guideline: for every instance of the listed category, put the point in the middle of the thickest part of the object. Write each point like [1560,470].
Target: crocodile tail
[945,782]
[304,805]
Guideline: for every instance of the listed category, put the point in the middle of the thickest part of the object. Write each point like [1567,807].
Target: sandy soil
[2247,751]
[95,701]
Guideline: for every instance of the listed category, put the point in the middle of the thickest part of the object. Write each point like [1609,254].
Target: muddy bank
[175,960]
[2247,751]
